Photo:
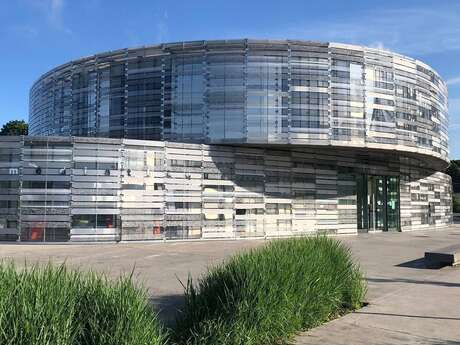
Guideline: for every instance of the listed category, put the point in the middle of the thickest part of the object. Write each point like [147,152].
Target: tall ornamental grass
[268,294]
[50,305]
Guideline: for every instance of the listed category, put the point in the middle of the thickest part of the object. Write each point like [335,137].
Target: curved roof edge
[205,43]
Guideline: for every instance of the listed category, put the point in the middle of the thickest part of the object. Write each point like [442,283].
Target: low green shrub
[266,295]
[263,296]
[47,305]
[456,204]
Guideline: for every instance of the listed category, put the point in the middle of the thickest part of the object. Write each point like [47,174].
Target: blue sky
[36,35]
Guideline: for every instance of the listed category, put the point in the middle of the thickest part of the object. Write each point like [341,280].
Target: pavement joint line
[402,289]
[402,332]
[354,323]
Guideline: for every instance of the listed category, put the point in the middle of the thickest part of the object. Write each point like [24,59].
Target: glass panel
[84,221]
[57,235]
[371,202]
[225,96]
[106,221]
[362,205]
[392,203]
[94,221]
[379,199]
[187,98]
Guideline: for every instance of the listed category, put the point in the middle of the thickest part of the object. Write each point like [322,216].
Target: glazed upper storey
[248,91]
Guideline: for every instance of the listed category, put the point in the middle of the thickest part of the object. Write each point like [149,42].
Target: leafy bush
[52,305]
[266,295]
[456,204]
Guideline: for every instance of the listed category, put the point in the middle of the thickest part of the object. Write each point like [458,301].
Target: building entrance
[377,203]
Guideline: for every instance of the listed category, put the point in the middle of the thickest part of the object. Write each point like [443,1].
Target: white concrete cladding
[248,91]
[91,189]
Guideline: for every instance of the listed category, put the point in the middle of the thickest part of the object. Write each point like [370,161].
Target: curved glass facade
[248,92]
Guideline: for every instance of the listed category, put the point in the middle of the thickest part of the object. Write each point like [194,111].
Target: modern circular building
[232,138]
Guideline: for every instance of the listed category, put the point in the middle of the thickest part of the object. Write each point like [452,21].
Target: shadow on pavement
[409,316]
[168,307]
[412,281]
[417,263]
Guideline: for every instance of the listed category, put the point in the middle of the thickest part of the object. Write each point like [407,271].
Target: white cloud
[162,27]
[156,31]
[405,30]
[453,81]
[56,17]
[53,11]
[378,45]
[454,114]
[454,127]
[454,106]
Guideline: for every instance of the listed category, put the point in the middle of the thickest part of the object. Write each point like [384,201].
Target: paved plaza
[408,304]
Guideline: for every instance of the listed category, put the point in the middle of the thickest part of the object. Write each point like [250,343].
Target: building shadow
[412,281]
[251,166]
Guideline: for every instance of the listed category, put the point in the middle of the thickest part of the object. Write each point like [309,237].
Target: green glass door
[377,203]
[392,203]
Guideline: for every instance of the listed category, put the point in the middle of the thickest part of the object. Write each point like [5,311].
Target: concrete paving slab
[409,304]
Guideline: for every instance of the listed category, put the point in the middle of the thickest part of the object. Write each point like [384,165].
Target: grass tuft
[263,296]
[268,294]
[50,305]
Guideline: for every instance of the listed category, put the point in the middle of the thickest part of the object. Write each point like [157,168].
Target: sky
[37,35]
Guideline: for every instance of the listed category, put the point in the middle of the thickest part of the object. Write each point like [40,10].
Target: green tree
[454,171]
[15,127]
